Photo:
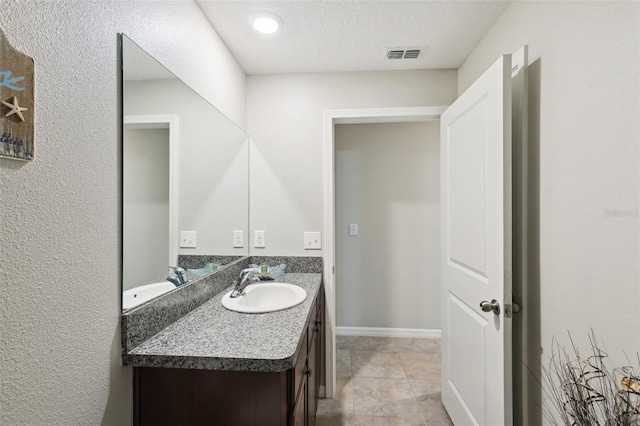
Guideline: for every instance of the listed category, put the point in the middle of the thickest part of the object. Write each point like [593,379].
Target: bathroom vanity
[194,361]
[219,367]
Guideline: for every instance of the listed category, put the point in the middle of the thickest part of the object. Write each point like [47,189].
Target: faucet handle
[181,274]
[246,271]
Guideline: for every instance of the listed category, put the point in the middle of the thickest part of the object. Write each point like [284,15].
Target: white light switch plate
[187,239]
[353,229]
[238,239]
[259,240]
[312,241]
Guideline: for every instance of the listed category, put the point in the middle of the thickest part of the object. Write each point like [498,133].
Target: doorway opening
[150,189]
[331,119]
[388,229]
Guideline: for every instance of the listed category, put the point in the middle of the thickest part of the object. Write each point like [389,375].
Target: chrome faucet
[242,282]
[181,274]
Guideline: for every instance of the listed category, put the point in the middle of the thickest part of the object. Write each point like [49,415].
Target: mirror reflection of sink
[139,295]
[265,297]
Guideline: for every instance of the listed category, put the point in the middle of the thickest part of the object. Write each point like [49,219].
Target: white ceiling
[349,35]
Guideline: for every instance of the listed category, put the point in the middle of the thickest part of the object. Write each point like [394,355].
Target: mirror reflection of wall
[185,168]
[146,197]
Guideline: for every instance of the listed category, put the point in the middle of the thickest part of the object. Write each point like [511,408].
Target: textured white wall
[59,289]
[285,121]
[388,182]
[583,115]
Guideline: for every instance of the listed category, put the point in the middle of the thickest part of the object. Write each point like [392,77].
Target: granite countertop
[215,338]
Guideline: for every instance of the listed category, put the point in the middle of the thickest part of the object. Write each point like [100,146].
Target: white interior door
[476,251]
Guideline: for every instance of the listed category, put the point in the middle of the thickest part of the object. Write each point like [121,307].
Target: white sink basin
[139,295]
[265,297]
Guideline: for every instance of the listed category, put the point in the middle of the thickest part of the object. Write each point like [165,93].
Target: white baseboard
[389,332]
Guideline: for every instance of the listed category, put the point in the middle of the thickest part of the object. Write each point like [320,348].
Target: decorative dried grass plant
[585,391]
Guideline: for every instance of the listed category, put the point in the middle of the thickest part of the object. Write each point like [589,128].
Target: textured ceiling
[346,35]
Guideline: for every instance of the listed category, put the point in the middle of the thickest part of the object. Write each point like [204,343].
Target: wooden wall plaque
[16,102]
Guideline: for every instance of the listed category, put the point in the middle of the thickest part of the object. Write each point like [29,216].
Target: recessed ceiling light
[265,22]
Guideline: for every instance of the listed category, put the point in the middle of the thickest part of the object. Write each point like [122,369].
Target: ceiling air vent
[411,54]
[404,52]
[395,54]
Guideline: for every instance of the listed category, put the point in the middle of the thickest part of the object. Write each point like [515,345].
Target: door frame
[160,121]
[331,118]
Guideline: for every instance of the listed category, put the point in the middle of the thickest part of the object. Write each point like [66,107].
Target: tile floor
[385,381]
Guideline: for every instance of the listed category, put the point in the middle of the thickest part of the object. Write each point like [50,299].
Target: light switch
[238,239]
[353,229]
[259,240]
[312,241]
[187,239]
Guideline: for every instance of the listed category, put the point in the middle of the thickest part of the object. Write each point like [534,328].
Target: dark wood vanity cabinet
[307,372]
[177,397]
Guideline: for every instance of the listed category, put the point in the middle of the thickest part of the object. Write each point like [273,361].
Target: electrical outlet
[187,239]
[259,240]
[238,239]
[312,240]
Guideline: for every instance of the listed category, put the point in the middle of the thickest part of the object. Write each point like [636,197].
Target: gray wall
[59,279]
[213,164]
[584,86]
[388,182]
[285,121]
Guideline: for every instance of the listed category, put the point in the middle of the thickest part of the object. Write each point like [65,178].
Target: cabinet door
[320,344]
[321,341]
[298,415]
[300,367]
[313,379]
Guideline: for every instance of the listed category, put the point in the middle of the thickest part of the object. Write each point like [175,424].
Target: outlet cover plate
[238,239]
[187,239]
[259,240]
[312,241]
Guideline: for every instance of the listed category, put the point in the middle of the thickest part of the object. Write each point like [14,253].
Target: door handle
[493,306]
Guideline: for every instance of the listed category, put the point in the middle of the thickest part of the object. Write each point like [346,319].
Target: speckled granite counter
[212,337]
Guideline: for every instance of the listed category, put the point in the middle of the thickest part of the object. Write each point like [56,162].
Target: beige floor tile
[395,344]
[343,363]
[343,401]
[434,412]
[428,394]
[336,420]
[344,342]
[424,345]
[421,365]
[383,421]
[385,397]
[425,388]
[405,344]
[376,364]
[373,388]
[367,343]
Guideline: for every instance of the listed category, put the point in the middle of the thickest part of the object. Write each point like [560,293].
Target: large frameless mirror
[185,182]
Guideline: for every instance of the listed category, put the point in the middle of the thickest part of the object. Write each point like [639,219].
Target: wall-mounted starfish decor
[15,108]
[16,84]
